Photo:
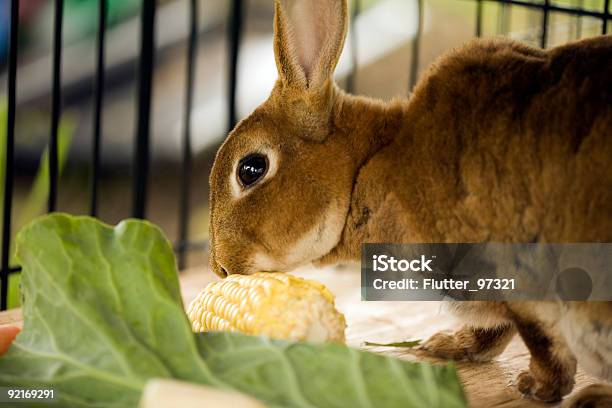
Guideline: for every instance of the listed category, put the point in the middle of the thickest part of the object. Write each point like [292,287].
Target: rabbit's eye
[252,168]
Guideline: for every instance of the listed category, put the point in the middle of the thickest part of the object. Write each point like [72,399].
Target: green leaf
[14,291]
[294,374]
[102,311]
[410,343]
[103,314]
[36,200]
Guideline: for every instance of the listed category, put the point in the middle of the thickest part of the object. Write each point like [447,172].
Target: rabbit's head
[281,182]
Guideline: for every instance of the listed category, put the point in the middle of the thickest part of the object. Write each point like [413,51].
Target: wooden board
[486,384]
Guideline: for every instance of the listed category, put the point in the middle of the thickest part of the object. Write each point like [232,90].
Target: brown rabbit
[499,142]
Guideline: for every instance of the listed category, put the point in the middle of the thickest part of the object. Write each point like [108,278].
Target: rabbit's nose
[220,270]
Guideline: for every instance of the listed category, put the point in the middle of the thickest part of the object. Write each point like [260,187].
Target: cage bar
[416,44]
[351,79]
[575,11]
[606,17]
[578,21]
[145,82]
[56,101]
[544,26]
[183,233]
[234,34]
[478,32]
[99,100]
[9,159]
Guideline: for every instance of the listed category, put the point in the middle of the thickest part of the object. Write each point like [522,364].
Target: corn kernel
[276,305]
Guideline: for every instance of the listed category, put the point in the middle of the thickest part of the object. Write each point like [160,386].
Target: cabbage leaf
[103,314]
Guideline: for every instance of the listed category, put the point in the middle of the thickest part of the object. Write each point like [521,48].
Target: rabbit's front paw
[469,343]
[547,389]
[449,346]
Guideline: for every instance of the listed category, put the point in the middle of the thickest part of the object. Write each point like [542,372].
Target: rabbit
[499,141]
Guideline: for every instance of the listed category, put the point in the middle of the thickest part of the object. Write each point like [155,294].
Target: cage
[120,74]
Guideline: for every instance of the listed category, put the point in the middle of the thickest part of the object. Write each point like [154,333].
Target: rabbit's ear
[308,39]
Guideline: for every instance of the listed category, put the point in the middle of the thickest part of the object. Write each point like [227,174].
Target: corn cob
[276,305]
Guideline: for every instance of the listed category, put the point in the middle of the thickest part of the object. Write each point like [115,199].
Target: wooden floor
[486,384]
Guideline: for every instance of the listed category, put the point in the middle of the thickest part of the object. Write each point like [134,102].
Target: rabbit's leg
[552,366]
[593,396]
[470,343]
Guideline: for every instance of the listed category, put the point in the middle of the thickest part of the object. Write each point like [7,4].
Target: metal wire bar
[142,148]
[183,232]
[416,44]
[56,102]
[606,12]
[556,9]
[352,77]
[99,100]
[10,159]
[478,18]
[544,33]
[234,34]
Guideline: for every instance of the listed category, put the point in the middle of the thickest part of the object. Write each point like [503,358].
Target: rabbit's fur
[499,142]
